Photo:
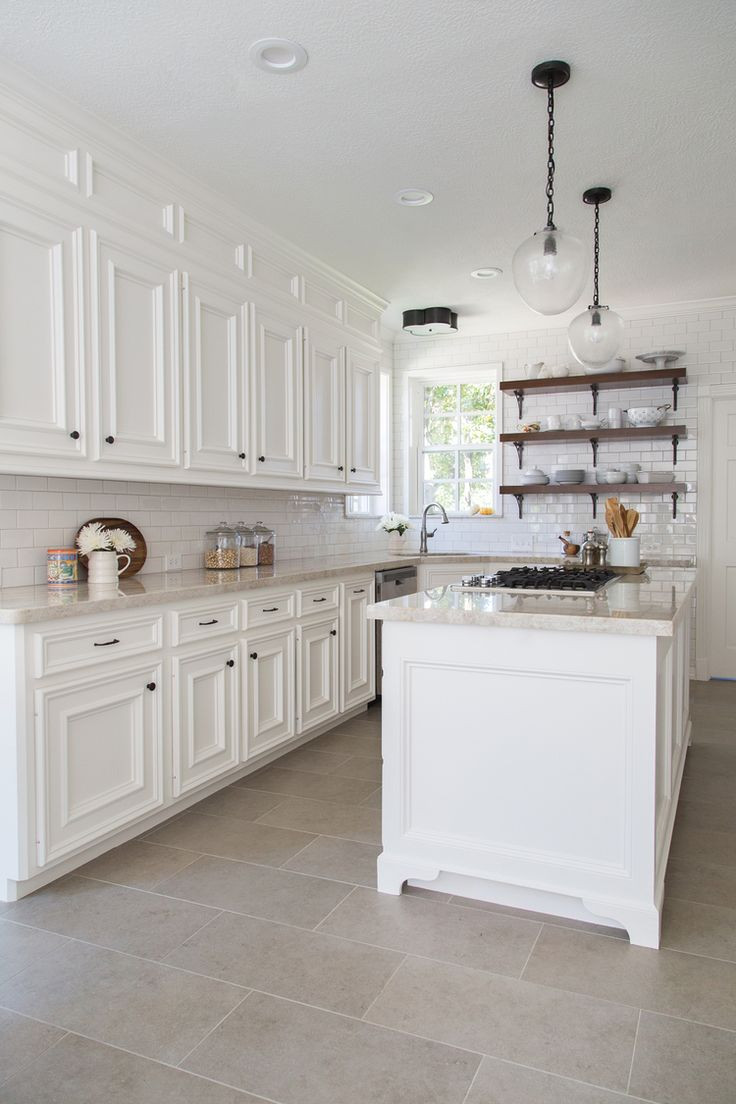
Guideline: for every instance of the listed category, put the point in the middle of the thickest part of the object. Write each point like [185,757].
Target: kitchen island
[534,746]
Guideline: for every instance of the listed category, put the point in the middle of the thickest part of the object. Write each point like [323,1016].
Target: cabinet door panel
[205,717]
[214,366]
[358,651]
[277,395]
[363,422]
[41,335]
[98,758]
[324,409]
[268,662]
[136,321]
[317,674]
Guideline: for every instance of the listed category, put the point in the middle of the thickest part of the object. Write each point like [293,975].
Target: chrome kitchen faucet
[424,534]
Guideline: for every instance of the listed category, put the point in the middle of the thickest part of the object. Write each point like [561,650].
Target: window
[455,437]
[377,505]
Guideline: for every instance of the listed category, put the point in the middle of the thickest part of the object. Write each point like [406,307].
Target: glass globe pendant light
[595,335]
[549,267]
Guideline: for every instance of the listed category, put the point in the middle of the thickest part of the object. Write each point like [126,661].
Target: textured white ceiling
[435,94]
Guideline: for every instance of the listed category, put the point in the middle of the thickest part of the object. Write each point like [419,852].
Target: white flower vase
[397,542]
[103,569]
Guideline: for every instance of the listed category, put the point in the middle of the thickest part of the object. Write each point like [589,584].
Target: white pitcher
[103,568]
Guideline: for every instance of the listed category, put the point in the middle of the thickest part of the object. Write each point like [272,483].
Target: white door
[324,409]
[205,717]
[41,335]
[277,395]
[135,318]
[722,619]
[98,758]
[215,375]
[358,650]
[363,418]
[268,686]
[317,690]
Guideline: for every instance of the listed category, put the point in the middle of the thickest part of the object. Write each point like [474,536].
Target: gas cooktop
[541,580]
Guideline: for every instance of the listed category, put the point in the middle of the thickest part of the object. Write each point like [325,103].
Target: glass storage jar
[221,548]
[264,542]
[247,549]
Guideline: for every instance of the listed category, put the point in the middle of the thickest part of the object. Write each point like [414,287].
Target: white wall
[707,333]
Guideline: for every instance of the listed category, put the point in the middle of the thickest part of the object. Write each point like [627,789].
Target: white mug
[615,417]
[553,421]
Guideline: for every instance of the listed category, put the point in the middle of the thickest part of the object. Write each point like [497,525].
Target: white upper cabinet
[41,335]
[277,415]
[215,378]
[363,418]
[135,319]
[324,408]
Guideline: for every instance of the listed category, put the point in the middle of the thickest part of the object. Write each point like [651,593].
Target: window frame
[417,381]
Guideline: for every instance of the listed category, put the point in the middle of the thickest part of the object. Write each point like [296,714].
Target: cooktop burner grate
[560,579]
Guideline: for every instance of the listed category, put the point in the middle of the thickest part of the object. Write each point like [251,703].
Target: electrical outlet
[173,562]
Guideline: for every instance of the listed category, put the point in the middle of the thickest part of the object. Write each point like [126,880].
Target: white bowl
[614,476]
[642,417]
[569,475]
[656,477]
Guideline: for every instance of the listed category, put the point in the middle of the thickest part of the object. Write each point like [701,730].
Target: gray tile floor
[240,953]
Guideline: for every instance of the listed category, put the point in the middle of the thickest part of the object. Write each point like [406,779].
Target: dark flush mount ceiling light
[595,335]
[549,267]
[431,320]
[278,55]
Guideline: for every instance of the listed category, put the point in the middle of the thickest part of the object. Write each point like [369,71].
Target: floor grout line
[472,1082]
[339,904]
[22,1068]
[213,1029]
[210,920]
[633,1052]
[384,987]
[531,952]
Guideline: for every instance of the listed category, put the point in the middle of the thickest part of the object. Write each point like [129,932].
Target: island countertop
[636,605]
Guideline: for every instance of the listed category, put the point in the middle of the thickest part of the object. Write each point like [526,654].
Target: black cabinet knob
[341,468]
[254,655]
[333,632]
[241,455]
[150,685]
[262,459]
[231,663]
[353,470]
[110,440]
[74,435]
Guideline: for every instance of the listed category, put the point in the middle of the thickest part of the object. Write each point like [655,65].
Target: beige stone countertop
[635,605]
[22,605]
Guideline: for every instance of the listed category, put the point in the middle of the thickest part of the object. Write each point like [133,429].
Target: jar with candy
[264,538]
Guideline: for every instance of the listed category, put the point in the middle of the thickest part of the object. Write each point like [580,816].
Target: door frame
[709,395]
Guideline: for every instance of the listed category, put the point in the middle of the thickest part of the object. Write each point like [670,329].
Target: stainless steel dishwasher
[392,583]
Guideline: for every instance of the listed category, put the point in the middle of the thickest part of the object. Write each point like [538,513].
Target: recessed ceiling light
[278,55]
[486,273]
[413,197]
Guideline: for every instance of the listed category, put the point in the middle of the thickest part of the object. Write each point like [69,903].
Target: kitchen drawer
[268,608]
[204,622]
[67,649]
[317,599]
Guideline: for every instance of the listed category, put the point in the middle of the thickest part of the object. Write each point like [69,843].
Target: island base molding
[535,769]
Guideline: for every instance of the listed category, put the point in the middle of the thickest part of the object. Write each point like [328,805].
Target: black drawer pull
[106,643]
[231,663]
[241,455]
[361,591]
[254,655]
[341,468]
[319,599]
[271,609]
[150,686]
[74,435]
[212,622]
[333,632]
[110,440]
[353,470]
[261,459]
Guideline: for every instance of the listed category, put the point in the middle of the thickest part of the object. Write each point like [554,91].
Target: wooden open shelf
[595,490]
[595,436]
[605,381]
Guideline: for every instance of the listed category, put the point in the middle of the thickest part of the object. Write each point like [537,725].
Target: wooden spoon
[624,523]
[633,520]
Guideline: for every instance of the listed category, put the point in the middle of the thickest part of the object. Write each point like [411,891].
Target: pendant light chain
[551,155]
[596,254]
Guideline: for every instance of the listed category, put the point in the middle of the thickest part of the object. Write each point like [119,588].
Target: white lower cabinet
[268,691]
[205,716]
[357,645]
[99,748]
[318,696]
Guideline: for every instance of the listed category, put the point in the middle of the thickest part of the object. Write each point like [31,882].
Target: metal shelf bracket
[594,500]
[675,390]
[594,446]
[520,503]
[520,401]
[675,497]
[594,389]
[675,443]
[519,446]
